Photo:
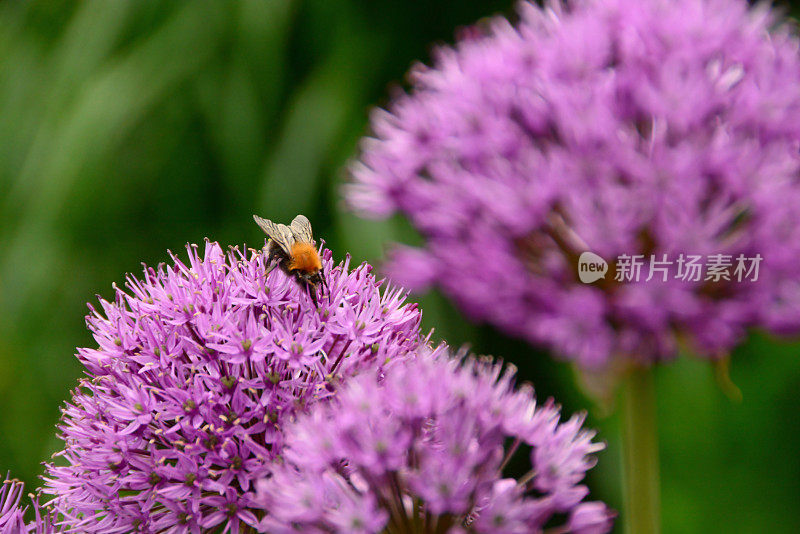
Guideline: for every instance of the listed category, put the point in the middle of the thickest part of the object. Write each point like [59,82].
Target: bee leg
[272,266]
[312,291]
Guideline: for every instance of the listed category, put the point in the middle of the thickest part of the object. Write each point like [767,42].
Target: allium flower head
[199,366]
[427,449]
[620,127]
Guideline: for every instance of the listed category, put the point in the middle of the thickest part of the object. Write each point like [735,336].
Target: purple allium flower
[427,449]
[199,366]
[620,127]
[12,512]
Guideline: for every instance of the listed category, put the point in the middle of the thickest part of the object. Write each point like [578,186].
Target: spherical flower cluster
[644,131]
[428,449]
[199,366]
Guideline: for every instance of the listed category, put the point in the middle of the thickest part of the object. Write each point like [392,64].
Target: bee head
[313,279]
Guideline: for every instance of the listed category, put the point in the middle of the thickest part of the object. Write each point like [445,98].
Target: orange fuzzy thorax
[304,258]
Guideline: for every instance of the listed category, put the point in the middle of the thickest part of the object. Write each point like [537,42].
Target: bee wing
[278,233]
[301,229]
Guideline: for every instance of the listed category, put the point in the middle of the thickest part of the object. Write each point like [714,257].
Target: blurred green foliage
[130,128]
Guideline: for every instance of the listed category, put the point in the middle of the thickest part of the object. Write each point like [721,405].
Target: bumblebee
[293,249]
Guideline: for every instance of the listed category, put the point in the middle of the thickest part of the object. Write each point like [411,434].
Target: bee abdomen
[304,258]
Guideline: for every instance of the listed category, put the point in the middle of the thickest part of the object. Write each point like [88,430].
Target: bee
[293,249]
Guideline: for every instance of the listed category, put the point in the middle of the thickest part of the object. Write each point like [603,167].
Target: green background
[130,128]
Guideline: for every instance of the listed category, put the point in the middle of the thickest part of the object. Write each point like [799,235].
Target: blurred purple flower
[425,450]
[620,127]
[199,366]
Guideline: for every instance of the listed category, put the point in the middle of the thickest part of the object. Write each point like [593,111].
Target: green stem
[640,453]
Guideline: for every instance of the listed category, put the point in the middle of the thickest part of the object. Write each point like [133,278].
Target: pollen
[305,258]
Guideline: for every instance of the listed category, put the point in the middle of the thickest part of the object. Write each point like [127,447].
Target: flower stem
[640,453]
